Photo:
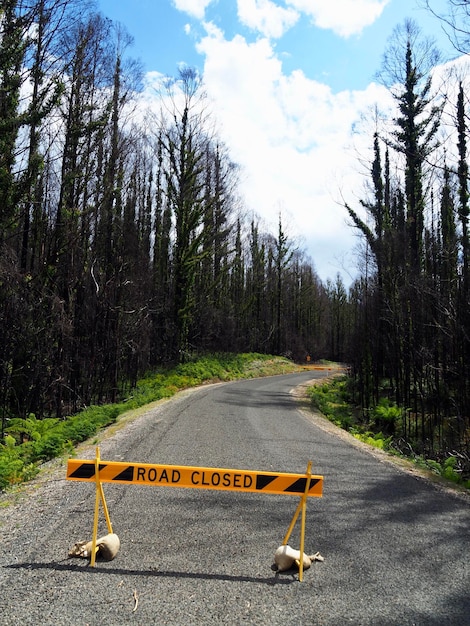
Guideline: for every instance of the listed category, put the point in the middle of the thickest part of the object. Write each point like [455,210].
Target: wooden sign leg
[99,496]
[302,522]
[301,507]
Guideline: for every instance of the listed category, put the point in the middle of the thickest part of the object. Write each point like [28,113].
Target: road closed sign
[195,477]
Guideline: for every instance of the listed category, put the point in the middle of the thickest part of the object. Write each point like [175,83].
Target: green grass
[31,441]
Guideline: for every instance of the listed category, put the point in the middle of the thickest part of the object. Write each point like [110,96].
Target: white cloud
[195,8]
[293,138]
[344,17]
[266,16]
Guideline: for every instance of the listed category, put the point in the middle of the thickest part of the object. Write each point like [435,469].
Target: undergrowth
[30,441]
[332,399]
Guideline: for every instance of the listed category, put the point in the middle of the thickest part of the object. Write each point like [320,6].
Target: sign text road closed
[195,477]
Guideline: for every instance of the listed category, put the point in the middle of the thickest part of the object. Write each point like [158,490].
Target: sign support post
[301,507]
[99,496]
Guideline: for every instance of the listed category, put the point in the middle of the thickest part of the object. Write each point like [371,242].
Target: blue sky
[291,81]
[343,62]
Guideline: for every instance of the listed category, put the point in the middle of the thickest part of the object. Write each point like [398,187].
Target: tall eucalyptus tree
[185,141]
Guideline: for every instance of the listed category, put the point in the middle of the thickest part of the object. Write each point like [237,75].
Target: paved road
[396,548]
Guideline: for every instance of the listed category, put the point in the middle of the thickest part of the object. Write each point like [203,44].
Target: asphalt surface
[396,547]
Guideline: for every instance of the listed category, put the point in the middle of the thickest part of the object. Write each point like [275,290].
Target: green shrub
[376,440]
[79,428]
[49,447]
[331,400]
[13,469]
[450,462]
[386,415]
[434,466]
[30,428]
[449,470]
[451,474]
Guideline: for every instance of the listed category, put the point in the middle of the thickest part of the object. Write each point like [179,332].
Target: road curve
[396,548]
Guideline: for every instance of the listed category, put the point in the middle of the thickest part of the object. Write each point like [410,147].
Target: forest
[125,243]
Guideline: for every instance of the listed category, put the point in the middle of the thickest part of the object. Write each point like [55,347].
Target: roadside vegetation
[31,441]
[382,427]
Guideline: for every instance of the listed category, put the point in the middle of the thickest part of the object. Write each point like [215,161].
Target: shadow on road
[243,397]
[277,579]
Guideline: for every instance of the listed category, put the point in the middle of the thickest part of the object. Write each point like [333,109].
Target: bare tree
[455,22]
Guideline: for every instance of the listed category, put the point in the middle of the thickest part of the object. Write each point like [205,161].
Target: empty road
[395,547]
